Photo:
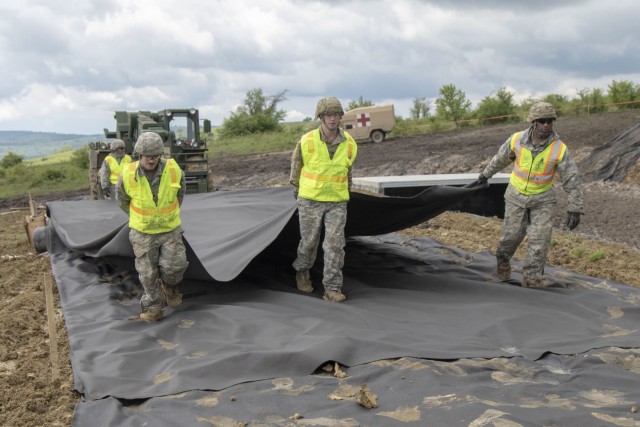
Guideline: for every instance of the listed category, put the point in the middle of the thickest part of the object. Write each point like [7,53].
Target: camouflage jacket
[297,162]
[154,182]
[566,169]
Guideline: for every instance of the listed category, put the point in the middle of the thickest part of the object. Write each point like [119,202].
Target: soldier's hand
[106,191]
[482,181]
[573,219]
[295,193]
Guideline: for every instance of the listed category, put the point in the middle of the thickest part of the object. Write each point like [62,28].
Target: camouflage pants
[536,223]
[158,256]
[312,216]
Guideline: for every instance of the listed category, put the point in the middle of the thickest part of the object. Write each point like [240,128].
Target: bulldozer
[180,131]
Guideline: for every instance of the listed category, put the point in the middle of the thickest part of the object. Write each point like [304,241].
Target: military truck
[180,131]
[370,123]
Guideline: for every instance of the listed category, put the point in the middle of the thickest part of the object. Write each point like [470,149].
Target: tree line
[259,113]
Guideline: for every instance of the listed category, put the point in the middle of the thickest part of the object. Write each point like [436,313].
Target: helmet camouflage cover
[115,144]
[149,144]
[329,105]
[541,110]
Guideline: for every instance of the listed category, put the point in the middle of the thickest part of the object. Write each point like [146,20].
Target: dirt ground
[605,245]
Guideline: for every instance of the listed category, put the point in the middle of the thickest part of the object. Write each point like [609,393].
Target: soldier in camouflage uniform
[151,191]
[537,153]
[321,176]
[112,168]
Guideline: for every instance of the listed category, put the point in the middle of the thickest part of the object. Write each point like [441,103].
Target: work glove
[106,191]
[573,219]
[482,181]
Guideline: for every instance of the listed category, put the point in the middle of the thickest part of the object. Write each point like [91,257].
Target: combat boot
[504,271]
[303,281]
[151,315]
[334,296]
[534,282]
[172,296]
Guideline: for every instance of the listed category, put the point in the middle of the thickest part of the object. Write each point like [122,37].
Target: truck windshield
[183,127]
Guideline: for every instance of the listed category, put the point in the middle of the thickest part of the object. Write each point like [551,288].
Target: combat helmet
[541,110]
[329,105]
[115,144]
[149,144]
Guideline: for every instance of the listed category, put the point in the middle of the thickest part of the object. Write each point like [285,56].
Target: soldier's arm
[296,166]
[183,189]
[571,182]
[502,159]
[122,197]
[104,173]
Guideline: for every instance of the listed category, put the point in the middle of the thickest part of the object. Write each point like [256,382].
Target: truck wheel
[377,136]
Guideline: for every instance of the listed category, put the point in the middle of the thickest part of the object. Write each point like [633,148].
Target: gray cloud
[66,67]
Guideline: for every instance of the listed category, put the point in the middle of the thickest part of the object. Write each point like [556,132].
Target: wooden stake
[53,341]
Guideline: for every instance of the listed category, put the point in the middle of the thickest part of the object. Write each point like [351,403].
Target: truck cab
[180,131]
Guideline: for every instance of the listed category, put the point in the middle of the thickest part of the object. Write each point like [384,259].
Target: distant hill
[39,144]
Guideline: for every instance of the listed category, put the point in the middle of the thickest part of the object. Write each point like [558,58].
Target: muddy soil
[605,245]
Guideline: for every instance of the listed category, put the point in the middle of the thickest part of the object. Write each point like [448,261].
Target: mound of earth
[29,396]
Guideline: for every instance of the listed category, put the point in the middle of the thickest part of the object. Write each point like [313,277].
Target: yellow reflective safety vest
[534,175]
[144,215]
[115,168]
[322,178]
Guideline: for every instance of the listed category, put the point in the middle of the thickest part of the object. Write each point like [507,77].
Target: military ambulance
[369,123]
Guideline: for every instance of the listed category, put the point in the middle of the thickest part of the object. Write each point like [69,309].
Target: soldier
[151,191]
[321,176]
[537,153]
[112,167]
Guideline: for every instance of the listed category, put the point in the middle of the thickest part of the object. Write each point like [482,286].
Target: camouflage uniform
[160,258]
[104,174]
[311,216]
[532,214]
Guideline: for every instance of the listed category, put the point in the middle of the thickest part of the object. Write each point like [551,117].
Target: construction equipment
[372,122]
[180,132]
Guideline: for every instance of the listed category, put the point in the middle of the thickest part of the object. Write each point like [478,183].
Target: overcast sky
[67,66]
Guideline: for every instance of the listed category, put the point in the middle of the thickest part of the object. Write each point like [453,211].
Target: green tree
[361,102]
[11,159]
[420,109]
[559,102]
[590,101]
[624,91]
[496,106]
[258,113]
[452,104]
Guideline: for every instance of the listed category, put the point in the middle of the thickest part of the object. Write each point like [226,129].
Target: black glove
[106,191]
[573,219]
[482,181]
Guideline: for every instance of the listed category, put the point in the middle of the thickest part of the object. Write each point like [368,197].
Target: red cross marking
[363,120]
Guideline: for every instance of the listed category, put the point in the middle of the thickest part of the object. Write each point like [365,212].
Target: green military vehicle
[180,131]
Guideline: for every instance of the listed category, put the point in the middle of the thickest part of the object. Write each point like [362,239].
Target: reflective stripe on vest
[144,215]
[115,168]
[325,179]
[534,175]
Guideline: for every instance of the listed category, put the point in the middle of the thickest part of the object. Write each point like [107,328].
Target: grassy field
[67,169]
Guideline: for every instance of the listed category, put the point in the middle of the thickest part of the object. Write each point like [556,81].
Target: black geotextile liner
[615,159]
[225,230]
[245,349]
